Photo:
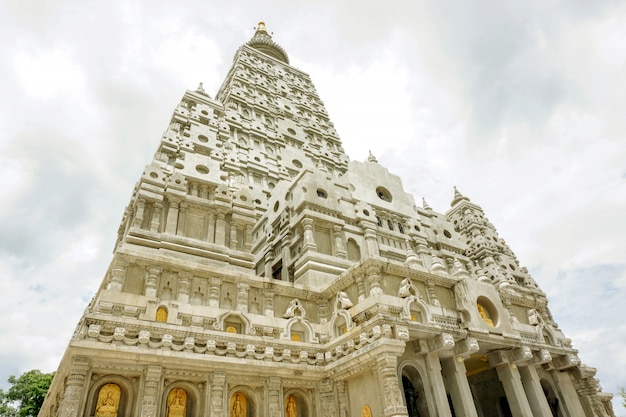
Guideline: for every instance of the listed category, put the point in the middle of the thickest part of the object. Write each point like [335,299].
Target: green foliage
[622,393]
[26,395]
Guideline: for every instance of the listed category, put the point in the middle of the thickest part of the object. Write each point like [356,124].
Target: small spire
[260,27]
[425,205]
[200,90]
[371,158]
[457,197]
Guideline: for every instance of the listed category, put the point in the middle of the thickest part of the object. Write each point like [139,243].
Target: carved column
[343,399]
[118,274]
[150,391]
[569,397]
[286,255]
[390,386]
[268,303]
[360,285]
[247,232]
[172,216]
[456,381]
[536,398]
[509,375]
[76,382]
[373,278]
[433,369]
[327,397]
[340,248]
[184,282]
[204,191]
[371,243]
[274,391]
[141,206]
[210,234]
[156,217]
[152,281]
[220,229]
[214,292]
[193,189]
[269,258]
[308,241]
[182,217]
[242,297]
[217,394]
[233,235]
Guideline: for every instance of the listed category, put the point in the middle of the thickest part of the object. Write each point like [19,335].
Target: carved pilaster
[172,216]
[274,389]
[269,258]
[371,243]
[210,235]
[233,235]
[360,285]
[308,239]
[214,292]
[342,399]
[390,386]
[156,217]
[217,394]
[373,279]
[182,217]
[118,274]
[268,303]
[340,248]
[150,392]
[184,283]
[327,397]
[220,229]
[139,212]
[247,232]
[242,297]
[152,281]
[70,403]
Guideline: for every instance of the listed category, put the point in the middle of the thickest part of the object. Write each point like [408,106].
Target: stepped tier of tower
[259,271]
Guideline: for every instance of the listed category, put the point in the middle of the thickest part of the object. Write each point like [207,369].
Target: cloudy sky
[521,105]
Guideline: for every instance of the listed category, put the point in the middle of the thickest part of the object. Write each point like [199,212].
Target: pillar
[242,297]
[569,397]
[309,239]
[141,206]
[156,217]
[220,229]
[118,275]
[217,394]
[233,235]
[340,248]
[247,233]
[152,281]
[214,292]
[286,255]
[269,258]
[458,387]
[274,394]
[437,387]
[373,277]
[210,234]
[371,243]
[184,283]
[515,394]
[76,381]
[390,386]
[182,216]
[268,302]
[172,216]
[150,391]
[534,392]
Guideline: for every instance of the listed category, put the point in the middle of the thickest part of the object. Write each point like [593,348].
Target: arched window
[176,403]
[414,393]
[354,252]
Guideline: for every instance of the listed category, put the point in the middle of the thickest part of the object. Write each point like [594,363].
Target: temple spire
[262,41]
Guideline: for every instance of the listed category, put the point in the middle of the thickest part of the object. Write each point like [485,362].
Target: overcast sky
[521,105]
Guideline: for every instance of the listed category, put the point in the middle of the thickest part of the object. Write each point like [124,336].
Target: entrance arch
[414,393]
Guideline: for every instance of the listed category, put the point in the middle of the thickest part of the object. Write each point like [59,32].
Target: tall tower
[260,272]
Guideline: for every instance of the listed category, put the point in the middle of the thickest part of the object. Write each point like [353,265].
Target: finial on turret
[200,90]
[371,158]
[425,205]
[458,197]
[260,27]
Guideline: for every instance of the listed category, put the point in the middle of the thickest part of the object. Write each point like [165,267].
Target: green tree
[26,394]
[622,393]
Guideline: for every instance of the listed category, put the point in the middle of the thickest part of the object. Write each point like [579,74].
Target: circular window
[204,112]
[276,206]
[202,169]
[383,194]
[291,131]
[154,175]
[179,166]
[367,213]
[297,163]
[203,138]
[447,234]
[321,193]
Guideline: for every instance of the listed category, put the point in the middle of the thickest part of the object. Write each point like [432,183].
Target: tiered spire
[262,41]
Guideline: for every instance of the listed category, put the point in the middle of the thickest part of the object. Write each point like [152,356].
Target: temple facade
[258,271]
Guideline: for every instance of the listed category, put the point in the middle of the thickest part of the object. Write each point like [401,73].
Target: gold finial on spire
[260,27]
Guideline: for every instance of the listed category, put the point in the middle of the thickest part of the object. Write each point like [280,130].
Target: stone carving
[292,407]
[238,406]
[343,301]
[407,289]
[176,403]
[295,309]
[366,411]
[108,401]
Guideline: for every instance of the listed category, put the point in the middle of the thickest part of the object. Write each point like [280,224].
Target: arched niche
[353,250]
[100,389]
[234,322]
[546,334]
[414,392]
[301,401]
[161,314]
[178,392]
[340,323]
[242,402]
[551,397]
[301,327]
[415,309]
